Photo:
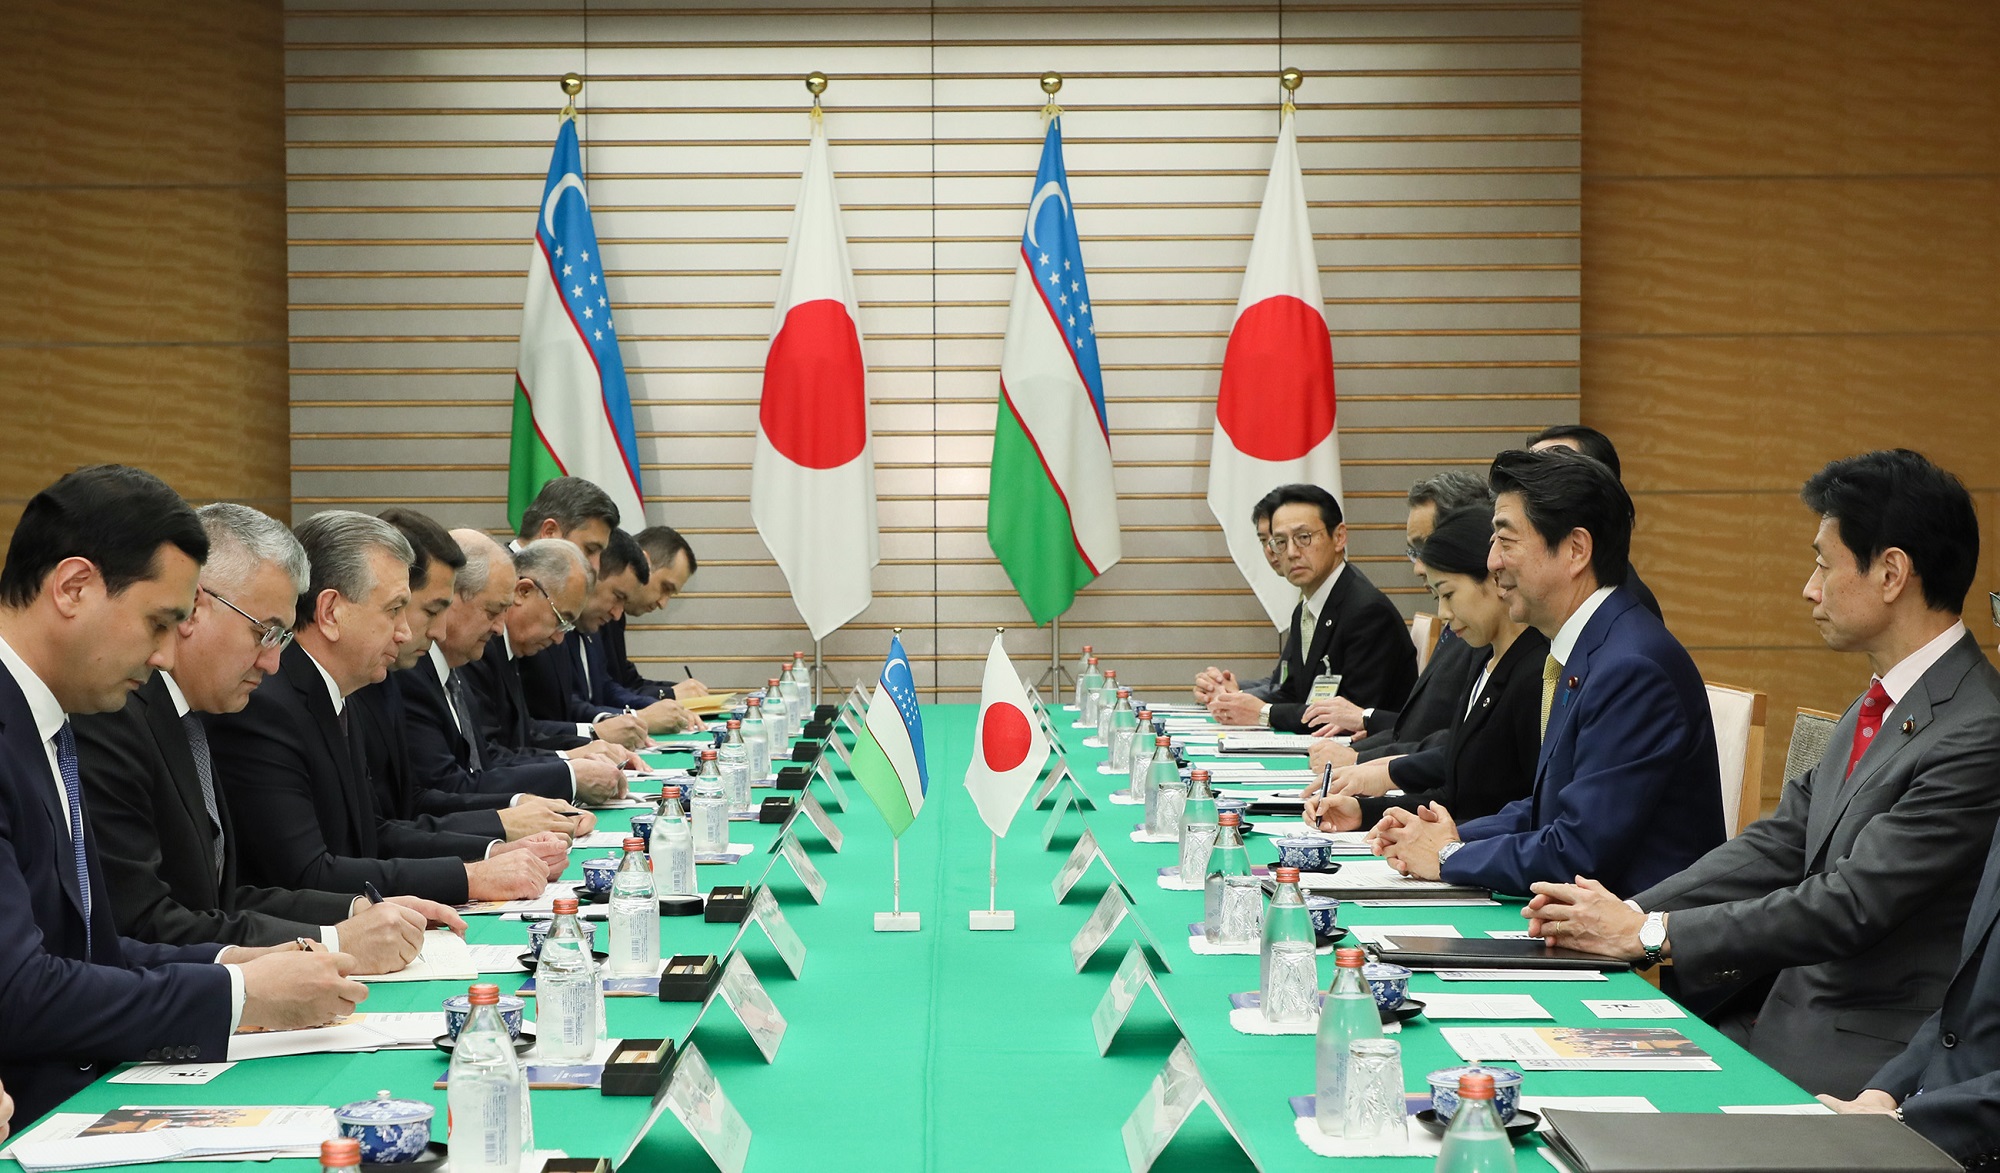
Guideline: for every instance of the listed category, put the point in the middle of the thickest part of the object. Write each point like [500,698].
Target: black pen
[688,670]
[373,893]
[1326,780]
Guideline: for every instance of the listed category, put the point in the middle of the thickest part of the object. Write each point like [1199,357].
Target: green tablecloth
[948,1049]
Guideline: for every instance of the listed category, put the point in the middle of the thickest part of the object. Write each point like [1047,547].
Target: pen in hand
[373,893]
[1326,780]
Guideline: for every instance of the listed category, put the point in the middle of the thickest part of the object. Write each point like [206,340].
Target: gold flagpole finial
[572,85]
[896,631]
[999,631]
[1051,83]
[815,85]
[1291,79]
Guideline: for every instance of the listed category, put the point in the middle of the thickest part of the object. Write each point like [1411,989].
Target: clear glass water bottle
[1107,703]
[732,762]
[1288,986]
[710,812]
[803,674]
[1157,770]
[1167,796]
[566,989]
[673,847]
[1083,664]
[1475,1142]
[635,915]
[1123,723]
[1089,687]
[1228,859]
[795,699]
[1348,1014]
[340,1154]
[777,717]
[757,740]
[487,1100]
[1143,745]
[1198,827]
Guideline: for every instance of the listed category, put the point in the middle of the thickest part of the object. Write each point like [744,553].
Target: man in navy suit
[1627,787]
[572,680]
[1597,445]
[671,562]
[100,574]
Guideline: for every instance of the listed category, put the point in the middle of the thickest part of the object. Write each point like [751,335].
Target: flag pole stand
[896,920]
[819,671]
[994,917]
[1056,675]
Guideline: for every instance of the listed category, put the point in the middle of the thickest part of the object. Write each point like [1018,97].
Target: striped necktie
[1551,672]
[73,787]
[204,769]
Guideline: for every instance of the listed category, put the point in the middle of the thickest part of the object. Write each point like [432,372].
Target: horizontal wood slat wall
[1440,142]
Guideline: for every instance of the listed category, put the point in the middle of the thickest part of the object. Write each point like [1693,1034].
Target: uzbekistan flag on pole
[1008,745]
[1051,508]
[889,757]
[572,412]
[812,478]
[1274,412]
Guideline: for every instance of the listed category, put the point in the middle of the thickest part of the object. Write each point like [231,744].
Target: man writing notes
[1343,626]
[1626,786]
[166,843]
[673,563]
[100,574]
[1830,930]
[293,765]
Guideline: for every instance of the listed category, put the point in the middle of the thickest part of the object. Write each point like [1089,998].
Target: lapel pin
[1909,726]
[1573,683]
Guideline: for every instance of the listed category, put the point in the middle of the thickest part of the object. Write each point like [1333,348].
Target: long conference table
[948,1049]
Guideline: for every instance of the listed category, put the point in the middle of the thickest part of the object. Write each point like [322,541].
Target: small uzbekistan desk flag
[572,411]
[888,762]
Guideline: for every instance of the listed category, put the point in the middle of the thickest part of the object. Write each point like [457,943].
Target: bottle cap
[1229,819]
[707,754]
[1162,741]
[342,1153]
[1111,673]
[1198,775]
[563,904]
[670,792]
[634,843]
[1093,660]
[735,724]
[1086,649]
[1475,1087]
[1123,692]
[488,994]
[755,702]
[798,655]
[1350,958]
[773,682]
[1287,875]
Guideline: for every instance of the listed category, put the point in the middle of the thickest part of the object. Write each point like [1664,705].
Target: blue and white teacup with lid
[391,1131]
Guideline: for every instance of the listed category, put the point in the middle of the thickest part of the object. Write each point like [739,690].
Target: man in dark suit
[1627,785]
[1946,1082]
[571,680]
[671,562]
[447,744]
[1828,932]
[1343,626]
[552,580]
[166,842]
[100,573]
[574,510]
[1597,446]
[401,790]
[292,762]
[1212,681]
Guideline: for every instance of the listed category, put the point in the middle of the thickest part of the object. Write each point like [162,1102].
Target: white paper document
[140,1135]
[1776,1109]
[357,1032]
[1443,1004]
[498,958]
[1265,743]
[1369,874]
[183,1074]
[1579,1049]
[444,957]
[1521,975]
[545,903]
[1375,934]
[600,841]
[1640,1008]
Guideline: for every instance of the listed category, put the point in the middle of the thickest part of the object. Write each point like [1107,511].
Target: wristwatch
[1448,850]
[1653,936]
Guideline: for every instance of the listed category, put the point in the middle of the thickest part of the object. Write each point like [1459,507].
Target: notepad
[444,957]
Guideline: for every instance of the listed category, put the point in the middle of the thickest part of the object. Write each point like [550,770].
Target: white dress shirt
[1572,629]
[1899,680]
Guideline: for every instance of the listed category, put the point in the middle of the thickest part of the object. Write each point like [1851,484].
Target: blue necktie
[73,787]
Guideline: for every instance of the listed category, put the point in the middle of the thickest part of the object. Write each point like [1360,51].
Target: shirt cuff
[236,996]
[583,729]
[572,778]
[493,847]
[330,937]
[1368,714]
[1634,906]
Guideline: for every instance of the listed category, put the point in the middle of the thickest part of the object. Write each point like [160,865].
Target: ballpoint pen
[1326,780]
[373,893]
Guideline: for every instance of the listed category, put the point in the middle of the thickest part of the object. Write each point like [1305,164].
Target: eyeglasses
[564,623]
[269,634]
[1414,551]
[1302,539]
[1993,597]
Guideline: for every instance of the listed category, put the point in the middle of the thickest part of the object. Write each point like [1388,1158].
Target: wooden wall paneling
[1441,155]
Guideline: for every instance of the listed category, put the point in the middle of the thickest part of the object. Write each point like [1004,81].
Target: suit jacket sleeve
[114,751]
[62,1009]
[1963,1119]
[548,686]
[1632,735]
[259,753]
[1756,908]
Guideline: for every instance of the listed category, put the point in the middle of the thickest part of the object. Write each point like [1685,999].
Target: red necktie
[1874,707]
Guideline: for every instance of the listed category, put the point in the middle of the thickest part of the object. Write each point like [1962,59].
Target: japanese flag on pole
[1275,409]
[812,476]
[1008,745]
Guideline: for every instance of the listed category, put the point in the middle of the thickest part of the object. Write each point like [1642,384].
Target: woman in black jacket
[1489,758]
